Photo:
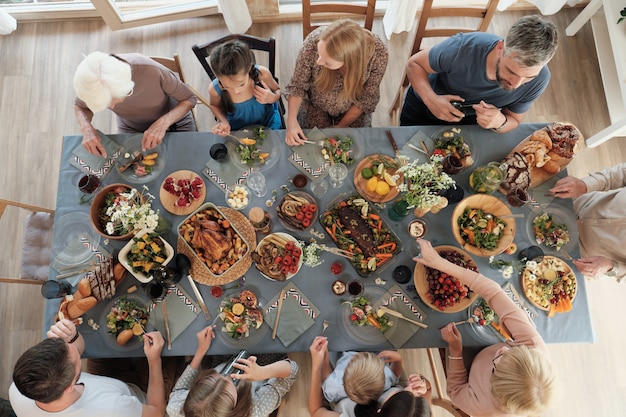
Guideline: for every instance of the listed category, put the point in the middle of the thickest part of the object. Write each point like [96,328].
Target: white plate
[133,144]
[366,335]
[358,143]
[123,257]
[560,216]
[486,333]
[291,239]
[109,339]
[464,133]
[74,239]
[271,144]
[255,336]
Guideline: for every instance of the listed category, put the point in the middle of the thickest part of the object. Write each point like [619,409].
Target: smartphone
[230,369]
[464,107]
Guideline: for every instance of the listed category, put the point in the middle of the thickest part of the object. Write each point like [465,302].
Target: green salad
[339,149]
[549,232]
[480,229]
[250,151]
[364,315]
[124,314]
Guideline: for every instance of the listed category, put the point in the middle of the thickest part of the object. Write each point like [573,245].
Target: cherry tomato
[284,269]
[306,222]
[296,251]
[299,216]
[293,269]
[289,246]
[278,260]
[313,207]
[287,260]
[308,215]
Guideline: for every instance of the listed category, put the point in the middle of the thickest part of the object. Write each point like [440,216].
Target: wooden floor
[36,70]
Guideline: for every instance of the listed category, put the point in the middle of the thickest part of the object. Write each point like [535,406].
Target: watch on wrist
[503,125]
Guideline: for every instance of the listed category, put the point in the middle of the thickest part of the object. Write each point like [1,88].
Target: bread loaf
[551,167]
[84,287]
[124,337]
[87,303]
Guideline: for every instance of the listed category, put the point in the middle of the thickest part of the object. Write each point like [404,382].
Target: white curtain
[546,7]
[7,23]
[400,16]
[236,15]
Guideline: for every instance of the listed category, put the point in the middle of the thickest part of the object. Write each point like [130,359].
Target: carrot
[332,235]
[343,204]
[372,320]
[472,213]
[347,232]
[334,228]
[470,235]
[379,227]
[383,255]
[490,225]
[225,224]
[391,245]
[374,216]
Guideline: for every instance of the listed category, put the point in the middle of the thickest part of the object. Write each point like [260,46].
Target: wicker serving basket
[199,271]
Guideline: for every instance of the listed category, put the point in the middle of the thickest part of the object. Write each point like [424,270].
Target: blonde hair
[364,378]
[524,382]
[209,397]
[349,43]
[100,78]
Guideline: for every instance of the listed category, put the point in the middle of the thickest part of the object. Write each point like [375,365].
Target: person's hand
[154,135]
[63,329]
[221,129]
[429,255]
[294,135]
[488,116]
[418,385]
[264,94]
[251,370]
[153,345]
[390,356]
[205,336]
[440,106]
[451,335]
[319,350]
[568,187]
[593,266]
[92,143]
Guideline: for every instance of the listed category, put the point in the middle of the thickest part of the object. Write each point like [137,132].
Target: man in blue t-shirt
[481,78]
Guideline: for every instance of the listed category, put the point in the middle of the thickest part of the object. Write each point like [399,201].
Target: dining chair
[332,10]
[36,243]
[481,15]
[439,400]
[175,66]
[267,45]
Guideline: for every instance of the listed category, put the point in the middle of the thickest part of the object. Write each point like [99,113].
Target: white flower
[491,258]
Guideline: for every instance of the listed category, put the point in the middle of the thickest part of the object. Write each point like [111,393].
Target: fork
[318,143]
[469,320]
[341,252]
[325,325]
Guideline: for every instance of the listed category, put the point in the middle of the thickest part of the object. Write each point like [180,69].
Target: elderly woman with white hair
[146,97]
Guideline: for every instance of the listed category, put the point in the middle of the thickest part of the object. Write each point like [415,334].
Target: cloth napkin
[401,331]
[94,164]
[181,312]
[415,141]
[298,314]
[308,158]
[221,173]
[540,196]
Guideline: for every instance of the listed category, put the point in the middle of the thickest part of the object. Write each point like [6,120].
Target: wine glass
[56,289]
[319,187]
[337,173]
[256,182]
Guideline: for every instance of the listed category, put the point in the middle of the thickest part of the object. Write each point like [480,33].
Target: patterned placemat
[221,174]
[181,310]
[401,331]
[415,140]
[297,315]
[94,164]
[520,302]
[308,158]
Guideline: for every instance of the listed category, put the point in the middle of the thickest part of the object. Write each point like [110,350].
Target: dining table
[190,151]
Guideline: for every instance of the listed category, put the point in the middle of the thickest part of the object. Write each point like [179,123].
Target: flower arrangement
[311,253]
[507,268]
[424,182]
[125,211]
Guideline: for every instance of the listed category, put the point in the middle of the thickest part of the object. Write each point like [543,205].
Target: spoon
[184,265]
[519,215]
[325,326]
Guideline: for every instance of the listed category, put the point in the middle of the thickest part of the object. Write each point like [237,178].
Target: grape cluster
[444,290]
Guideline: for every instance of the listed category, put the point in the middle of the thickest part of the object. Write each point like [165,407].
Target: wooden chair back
[481,15]
[175,66]
[332,10]
[34,209]
[255,43]
[439,400]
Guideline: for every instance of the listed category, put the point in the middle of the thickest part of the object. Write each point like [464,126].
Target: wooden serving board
[360,183]
[169,200]
[538,175]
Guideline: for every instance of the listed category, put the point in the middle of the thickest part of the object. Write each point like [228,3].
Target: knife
[278,310]
[167,325]
[393,142]
[401,316]
[196,292]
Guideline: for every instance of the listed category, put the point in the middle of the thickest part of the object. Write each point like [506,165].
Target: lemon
[367,173]
[137,330]
[382,188]
[389,179]
[238,309]
[372,183]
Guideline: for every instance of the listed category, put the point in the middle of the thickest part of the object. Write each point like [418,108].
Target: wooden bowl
[489,204]
[97,204]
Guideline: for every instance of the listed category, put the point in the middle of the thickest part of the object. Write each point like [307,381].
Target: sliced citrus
[153,155]
[371,185]
[389,179]
[248,141]
[238,309]
[137,330]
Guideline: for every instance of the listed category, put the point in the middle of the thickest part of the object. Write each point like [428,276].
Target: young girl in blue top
[243,93]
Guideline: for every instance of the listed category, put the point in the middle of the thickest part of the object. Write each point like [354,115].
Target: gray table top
[190,151]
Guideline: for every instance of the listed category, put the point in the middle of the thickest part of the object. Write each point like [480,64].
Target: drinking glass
[319,187]
[531,253]
[88,183]
[337,173]
[355,287]
[256,182]
[55,289]
[518,197]
[452,164]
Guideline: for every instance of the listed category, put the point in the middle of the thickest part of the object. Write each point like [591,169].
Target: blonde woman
[506,379]
[336,81]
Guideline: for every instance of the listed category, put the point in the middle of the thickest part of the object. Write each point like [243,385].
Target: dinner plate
[283,236]
[360,183]
[456,131]
[271,145]
[132,145]
[560,216]
[357,147]
[109,339]
[366,335]
[485,333]
[74,239]
[421,283]
[289,223]
[255,336]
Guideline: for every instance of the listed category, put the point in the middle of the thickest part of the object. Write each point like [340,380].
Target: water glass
[256,182]
[337,173]
[319,187]
[56,289]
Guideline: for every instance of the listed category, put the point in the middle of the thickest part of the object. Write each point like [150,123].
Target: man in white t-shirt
[47,380]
